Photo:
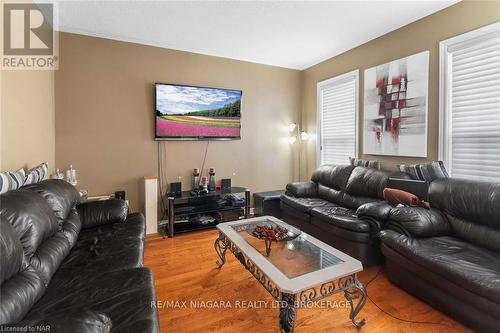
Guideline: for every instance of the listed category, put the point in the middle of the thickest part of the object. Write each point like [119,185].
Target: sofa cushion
[59,194]
[72,226]
[132,227]
[19,293]
[471,207]
[30,216]
[125,296]
[49,255]
[367,182]
[474,201]
[354,201]
[330,194]
[12,259]
[124,242]
[20,285]
[304,205]
[332,176]
[473,268]
[341,217]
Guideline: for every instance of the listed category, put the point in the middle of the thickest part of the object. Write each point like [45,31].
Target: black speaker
[175,189]
[120,195]
[225,184]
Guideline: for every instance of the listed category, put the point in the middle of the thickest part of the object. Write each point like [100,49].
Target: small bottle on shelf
[211,179]
[196,179]
[204,185]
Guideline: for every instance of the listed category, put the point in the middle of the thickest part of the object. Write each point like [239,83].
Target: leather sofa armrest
[84,322]
[95,213]
[302,189]
[377,210]
[374,213]
[418,222]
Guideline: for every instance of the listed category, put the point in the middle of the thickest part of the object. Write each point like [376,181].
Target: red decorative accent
[389,102]
[268,232]
[395,125]
[378,134]
[388,125]
[396,80]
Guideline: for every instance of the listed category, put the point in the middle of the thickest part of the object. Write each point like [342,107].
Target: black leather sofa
[72,267]
[342,206]
[449,256]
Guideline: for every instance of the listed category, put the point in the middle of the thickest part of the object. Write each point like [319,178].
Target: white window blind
[337,119]
[471,141]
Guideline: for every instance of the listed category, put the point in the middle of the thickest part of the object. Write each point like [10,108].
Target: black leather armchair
[75,267]
[342,205]
[449,256]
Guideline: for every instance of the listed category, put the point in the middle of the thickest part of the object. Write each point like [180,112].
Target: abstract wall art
[395,107]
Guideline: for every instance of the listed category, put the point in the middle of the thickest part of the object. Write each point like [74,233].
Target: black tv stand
[189,204]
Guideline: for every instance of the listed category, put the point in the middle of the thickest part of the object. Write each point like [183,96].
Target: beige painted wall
[27,119]
[104,118]
[421,35]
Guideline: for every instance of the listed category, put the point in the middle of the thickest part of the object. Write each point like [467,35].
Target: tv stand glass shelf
[183,209]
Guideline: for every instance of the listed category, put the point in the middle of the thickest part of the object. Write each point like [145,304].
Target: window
[470,104]
[338,119]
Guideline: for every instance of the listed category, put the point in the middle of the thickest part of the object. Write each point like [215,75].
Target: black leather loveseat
[69,267]
[332,207]
[449,256]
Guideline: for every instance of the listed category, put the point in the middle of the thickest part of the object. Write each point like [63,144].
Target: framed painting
[395,107]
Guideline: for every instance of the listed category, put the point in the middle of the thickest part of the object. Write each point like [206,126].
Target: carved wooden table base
[353,289]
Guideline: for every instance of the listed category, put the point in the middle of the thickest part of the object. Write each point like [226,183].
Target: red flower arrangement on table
[270,233]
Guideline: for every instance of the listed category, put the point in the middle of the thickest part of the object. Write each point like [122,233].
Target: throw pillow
[396,197]
[428,171]
[12,180]
[374,164]
[37,174]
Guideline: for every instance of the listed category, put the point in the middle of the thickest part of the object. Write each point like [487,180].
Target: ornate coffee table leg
[288,313]
[220,248]
[356,291]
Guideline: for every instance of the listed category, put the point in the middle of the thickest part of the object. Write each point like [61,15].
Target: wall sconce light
[296,133]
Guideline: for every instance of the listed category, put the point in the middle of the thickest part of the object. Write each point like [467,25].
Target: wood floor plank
[185,271]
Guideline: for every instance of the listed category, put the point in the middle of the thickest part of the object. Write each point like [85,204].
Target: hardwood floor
[185,271]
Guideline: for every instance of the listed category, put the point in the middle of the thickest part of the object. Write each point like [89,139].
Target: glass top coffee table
[296,271]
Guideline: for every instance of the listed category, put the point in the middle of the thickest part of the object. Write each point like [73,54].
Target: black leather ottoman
[267,203]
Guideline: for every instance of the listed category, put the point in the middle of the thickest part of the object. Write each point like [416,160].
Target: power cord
[395,317]
[162,178]
[204,159]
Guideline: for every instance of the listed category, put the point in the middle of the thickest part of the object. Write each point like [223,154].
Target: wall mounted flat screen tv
[196,113]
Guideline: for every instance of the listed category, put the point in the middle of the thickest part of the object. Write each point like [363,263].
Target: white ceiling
[292,34]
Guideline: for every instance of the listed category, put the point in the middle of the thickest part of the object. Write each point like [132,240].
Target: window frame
[445,92]
[332,81]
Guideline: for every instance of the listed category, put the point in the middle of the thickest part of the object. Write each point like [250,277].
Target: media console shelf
[187,205]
